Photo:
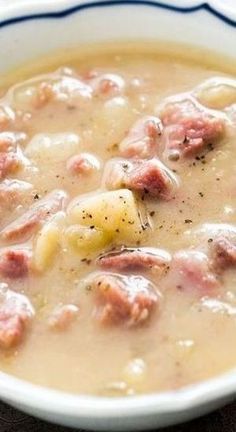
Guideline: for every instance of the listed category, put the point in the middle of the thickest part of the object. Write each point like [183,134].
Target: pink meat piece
[15,263]
[191,271]
[223,253]
[145,176]
[44,95]
[10,157]
[106,84]
[152,177]
[127,300]
[9,163]
[189,127]
[16,313]
[10,120]
[142,139]
[82,164]
[22,228]
[7,142]
[219,242]
[62,88]
[133,259]
[63,316]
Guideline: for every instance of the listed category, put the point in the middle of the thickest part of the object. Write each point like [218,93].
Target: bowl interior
[57,28]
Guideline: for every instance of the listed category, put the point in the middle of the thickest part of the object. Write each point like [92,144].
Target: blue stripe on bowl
[108,3]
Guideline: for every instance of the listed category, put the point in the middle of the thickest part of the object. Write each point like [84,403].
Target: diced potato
[23,97]
[217,93]
[47,242]
[112,120]
[52,148]
[115,113]
[114,212]
[86,239]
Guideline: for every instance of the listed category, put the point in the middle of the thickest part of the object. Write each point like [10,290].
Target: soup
[118,224]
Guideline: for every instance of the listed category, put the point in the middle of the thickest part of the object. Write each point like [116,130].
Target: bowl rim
[43,399]
[32,11]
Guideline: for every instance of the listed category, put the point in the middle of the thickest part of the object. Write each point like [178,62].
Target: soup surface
[118,224]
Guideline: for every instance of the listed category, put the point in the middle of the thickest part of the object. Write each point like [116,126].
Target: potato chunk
[52,148]
[217,93]
[115,213]
[47,242]
[86,239]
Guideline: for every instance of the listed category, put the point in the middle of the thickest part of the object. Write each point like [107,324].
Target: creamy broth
[127,149]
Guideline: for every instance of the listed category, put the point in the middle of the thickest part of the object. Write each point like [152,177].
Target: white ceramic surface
[29,29]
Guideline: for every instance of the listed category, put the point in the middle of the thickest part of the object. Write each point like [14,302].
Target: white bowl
[29,29]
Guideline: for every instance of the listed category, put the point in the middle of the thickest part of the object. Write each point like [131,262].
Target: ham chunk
[133,259]
[189,127]
[106,84]
[82,164]
[223,253]
[9,141]
[23,227]
[149,177]
[65,89]
[127,300]
[204,234]
[15,263]
[10,155]
[142,139]
[63,316]
[16,313]
[153,178]
[9,163]
[191,271]
[45,94]
[219,242]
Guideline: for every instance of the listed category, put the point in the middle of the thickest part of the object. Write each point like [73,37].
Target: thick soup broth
[118,225]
